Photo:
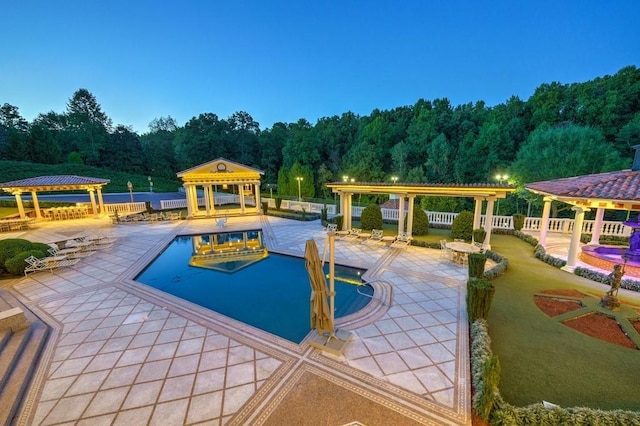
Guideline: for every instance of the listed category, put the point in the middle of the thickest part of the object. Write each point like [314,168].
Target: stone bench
[13,319]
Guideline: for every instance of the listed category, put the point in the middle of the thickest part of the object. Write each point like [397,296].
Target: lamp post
[500,178]
[150,184]
[394,179]
[299,179]
[345,178]
[130,186]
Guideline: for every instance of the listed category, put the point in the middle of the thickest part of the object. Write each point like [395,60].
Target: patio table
[461,250]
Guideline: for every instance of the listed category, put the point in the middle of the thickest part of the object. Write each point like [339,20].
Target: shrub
[323,214]
[479,297]
[526,238]
[371,217]
[278,202]
[485,370]
[518,221]
[541,253]
[339,221]
[476,262]
[502,264]
[479,235]
[462,226]
[265,206]
[420,222]
[10,247]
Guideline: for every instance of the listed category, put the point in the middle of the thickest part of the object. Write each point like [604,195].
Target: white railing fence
[564,226]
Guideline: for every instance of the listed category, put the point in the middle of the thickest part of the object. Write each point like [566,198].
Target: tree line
[561,130]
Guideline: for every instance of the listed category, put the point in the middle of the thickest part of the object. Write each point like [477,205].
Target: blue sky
[285,60]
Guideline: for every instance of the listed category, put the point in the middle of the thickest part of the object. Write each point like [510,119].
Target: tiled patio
[124,353]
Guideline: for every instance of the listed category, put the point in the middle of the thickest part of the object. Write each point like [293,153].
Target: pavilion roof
[60,182]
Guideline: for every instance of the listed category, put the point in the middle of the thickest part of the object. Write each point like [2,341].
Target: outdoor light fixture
[394,179]
[150,184]
[345,178]
[130,186]
[502,178]
[299,179]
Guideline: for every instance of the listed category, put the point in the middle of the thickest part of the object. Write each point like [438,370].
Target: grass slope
[16,170]
[544,360]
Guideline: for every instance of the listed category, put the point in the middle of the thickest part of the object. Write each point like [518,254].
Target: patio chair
[402,240]
[480,246]
[71,252]
[445,251]
[331,228]
[50,263]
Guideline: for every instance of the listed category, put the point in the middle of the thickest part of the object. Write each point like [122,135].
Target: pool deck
[124,353]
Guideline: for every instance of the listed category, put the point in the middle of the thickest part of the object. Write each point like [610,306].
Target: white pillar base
[569,268]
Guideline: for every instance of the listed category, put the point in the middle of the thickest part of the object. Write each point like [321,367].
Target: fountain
[606,257]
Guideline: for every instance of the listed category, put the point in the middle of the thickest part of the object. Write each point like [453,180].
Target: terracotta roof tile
[619,185]
[41,181]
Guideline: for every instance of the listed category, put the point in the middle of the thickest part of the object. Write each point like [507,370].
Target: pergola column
[212,199]
[207,200]
[241,193]
[544,223]
[188,192]
[36,205]
[477,212]
[597,227]
[410,215]
[92,197]
[348,210]
[257,197]
[100,200]
[488,223]
[19,203]
[574,245]
[400,214]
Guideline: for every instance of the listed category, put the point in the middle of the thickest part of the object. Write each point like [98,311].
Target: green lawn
[6,211]
[544,360]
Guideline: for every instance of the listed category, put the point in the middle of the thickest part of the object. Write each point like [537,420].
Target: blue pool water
[272,294]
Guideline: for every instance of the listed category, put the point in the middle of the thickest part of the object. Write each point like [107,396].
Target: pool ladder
[372,296]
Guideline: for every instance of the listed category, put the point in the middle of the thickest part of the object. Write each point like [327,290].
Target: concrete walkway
[125,353]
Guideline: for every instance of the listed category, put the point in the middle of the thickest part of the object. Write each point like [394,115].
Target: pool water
[271,294]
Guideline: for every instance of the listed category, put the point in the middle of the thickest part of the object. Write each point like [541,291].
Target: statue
[614,279]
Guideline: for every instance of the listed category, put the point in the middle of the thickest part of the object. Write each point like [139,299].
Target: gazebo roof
[617,190]
[428,189]
[53,183]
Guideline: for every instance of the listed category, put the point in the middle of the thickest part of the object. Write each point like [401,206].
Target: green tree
[89,126]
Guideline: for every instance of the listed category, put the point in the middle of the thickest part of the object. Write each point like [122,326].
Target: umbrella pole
[332,276]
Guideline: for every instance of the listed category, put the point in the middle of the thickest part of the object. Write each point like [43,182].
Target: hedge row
[488,403]
[604,278]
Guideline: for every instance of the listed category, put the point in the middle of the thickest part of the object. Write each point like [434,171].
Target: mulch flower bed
[601,327]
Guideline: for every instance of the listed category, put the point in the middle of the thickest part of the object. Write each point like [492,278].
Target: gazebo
[222,174]
[55,183]
[406,193]
[619,190]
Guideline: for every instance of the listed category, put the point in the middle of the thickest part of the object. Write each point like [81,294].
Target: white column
[256,195]
[212,200]
[574,246]
[207,200]
[36,205]
[92,197]
[410,215]
[597,227]
[401,214]
[343,210]
[101,200]
[241,193]
[187,192]
[477,213]
[348,210]
[544,224]
[488,223]
[20,206]
[194,199]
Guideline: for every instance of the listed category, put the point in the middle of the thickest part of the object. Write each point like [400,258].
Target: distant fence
[556,225]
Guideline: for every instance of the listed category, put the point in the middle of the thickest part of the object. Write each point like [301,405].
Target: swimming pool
[271,293]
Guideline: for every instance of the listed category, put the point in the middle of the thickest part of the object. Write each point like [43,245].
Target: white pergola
[221,173]
[55,183]
[406,193]
[619,190]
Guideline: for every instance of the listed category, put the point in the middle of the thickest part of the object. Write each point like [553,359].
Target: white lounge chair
[402,240]
[50,263]
[354,234]
[331,228]
[375,238]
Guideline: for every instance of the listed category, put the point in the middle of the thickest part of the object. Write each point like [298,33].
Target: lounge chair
[331,228]
[354,234]
[50,263]
[402,240]
[375,238]
[71,252]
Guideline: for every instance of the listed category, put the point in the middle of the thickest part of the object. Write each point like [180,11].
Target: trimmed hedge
[475,264]
[604,278]
[502,264]
[487,401]
[420,222]
[479,297]
[371,217]
[541,253]
[479,235]
[295,215]
[462,226]
[518,221]
[13,252]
